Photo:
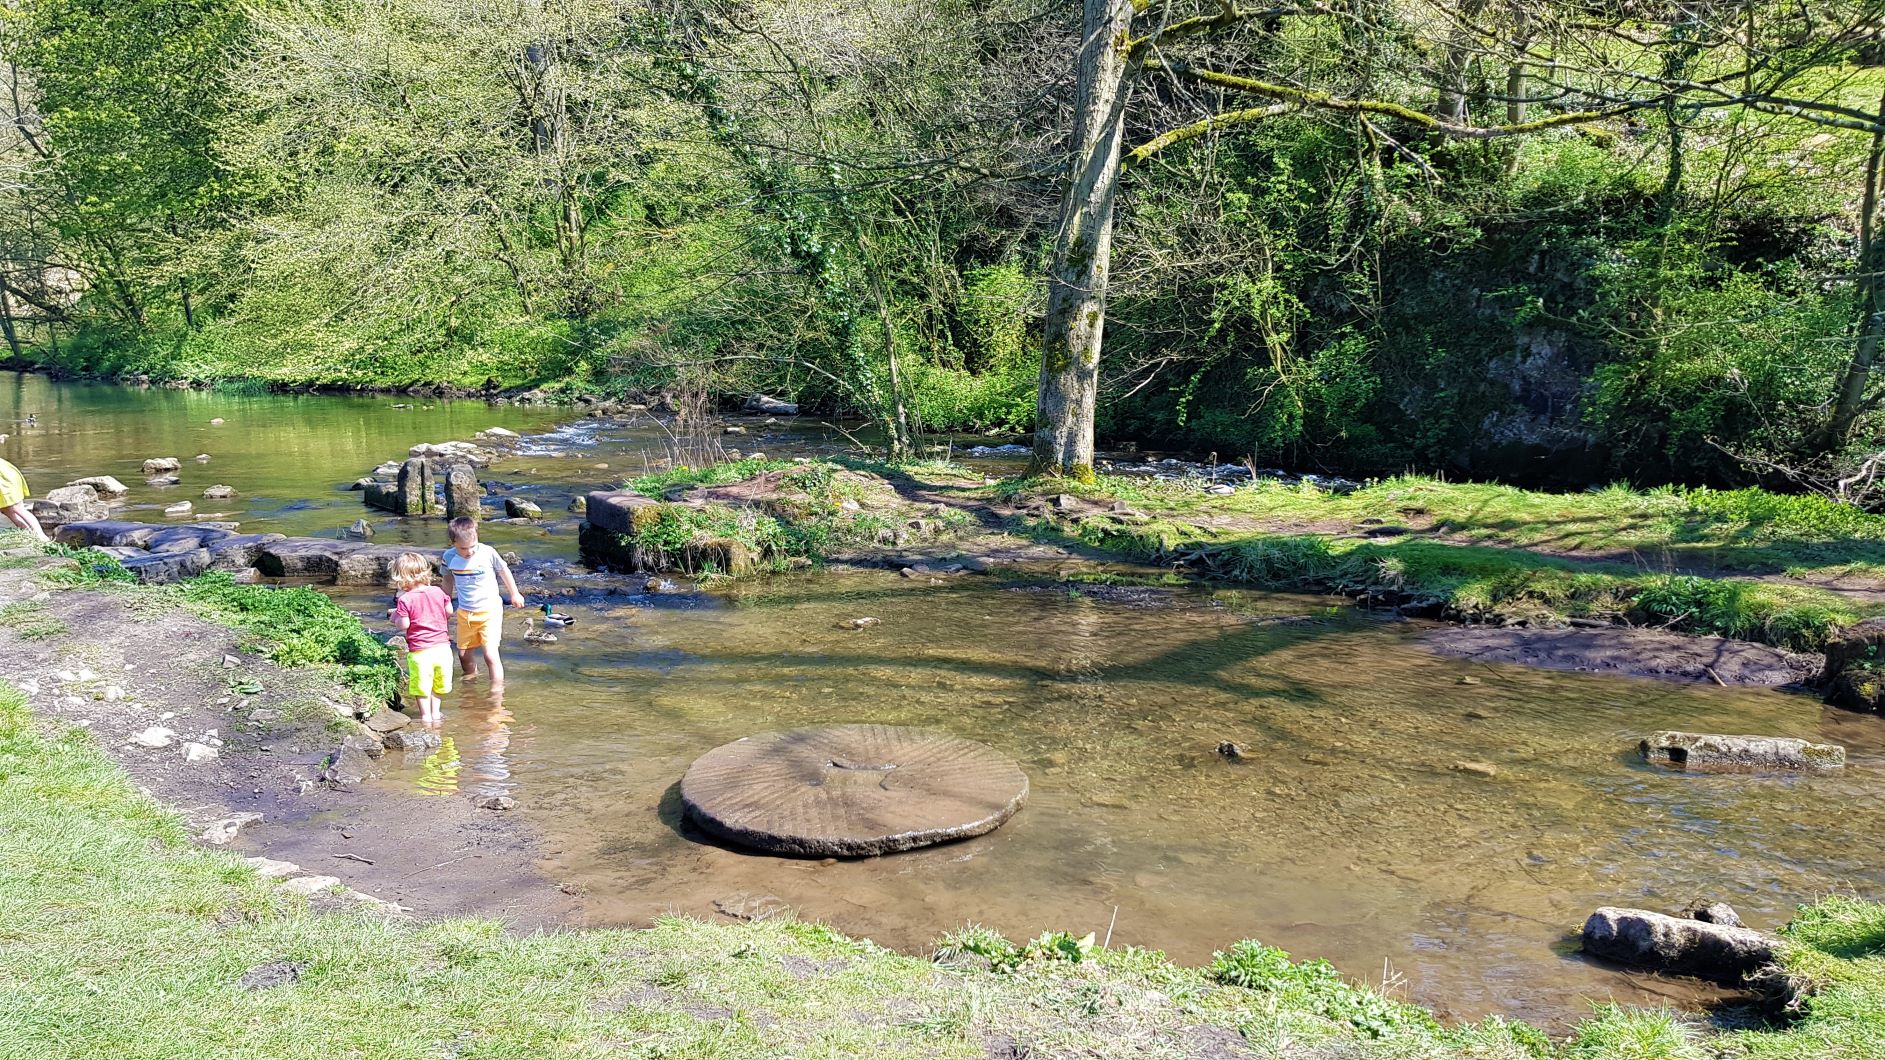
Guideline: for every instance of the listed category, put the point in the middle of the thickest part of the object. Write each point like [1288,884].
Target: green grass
[28,621]
[1495,551]
[1746,529]
[120,938]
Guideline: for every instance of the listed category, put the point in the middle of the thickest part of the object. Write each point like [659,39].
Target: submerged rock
[1232,751]
[409,741]
[1707,751]
[181,508]
[518,508]
[1643,939]
[360,528]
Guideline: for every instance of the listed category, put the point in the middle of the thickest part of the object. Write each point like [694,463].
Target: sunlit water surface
[1349,832]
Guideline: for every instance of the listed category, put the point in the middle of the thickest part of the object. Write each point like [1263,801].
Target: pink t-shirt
[427,608]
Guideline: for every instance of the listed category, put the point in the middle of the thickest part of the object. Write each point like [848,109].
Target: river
[1350,832]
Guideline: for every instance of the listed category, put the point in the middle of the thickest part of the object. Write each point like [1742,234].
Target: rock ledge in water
[1643,939]
[1700,750]
[852,790]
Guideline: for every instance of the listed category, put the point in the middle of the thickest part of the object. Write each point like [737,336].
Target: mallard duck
[556,619]
[537,636]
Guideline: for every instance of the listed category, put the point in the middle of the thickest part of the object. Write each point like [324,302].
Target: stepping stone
[852,790]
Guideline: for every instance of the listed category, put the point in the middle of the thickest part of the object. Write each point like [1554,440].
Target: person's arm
[510,583]
[450,588]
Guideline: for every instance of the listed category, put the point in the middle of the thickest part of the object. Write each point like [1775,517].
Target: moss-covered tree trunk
[1076,295]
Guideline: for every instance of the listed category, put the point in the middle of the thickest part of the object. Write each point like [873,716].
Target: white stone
[179,508]
[269,868]
[154,737]
[66,675]
[196,753]
[310,885]
[87,675]
[30,686]
[220,833]
[113,694]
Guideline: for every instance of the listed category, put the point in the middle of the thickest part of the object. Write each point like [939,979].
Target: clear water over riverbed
[1350,832]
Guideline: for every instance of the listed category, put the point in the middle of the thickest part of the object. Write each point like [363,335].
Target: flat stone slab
[615,509]
[1711,751]
[1633,652]
[852,790]
[111,533]
[304,557]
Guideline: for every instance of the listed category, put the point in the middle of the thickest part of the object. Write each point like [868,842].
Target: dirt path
[124,663]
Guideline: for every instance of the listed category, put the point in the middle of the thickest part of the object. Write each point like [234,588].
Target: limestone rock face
[852,790]
[239,552]
[1643,939]
[1710,751]
[369,565]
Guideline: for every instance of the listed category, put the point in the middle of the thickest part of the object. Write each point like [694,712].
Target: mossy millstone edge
[851,790]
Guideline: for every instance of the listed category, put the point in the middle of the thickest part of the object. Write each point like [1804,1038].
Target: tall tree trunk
[1458,56]
[6,318]
[1849,401]
[1083,246]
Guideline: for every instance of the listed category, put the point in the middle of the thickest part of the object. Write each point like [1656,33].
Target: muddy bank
[217,732]
[1631,652]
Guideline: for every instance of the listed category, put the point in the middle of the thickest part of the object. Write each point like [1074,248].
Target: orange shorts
[478,629]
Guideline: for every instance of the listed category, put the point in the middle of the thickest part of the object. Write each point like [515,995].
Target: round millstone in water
[852,790]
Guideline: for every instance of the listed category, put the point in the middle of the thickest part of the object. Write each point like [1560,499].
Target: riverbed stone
[369,565]
[851,790]
[186,538]
[162,465]
[304,557]
[410,741]
[238,552]
[415,487]
[518,508]
[1644,939]
[164,568]
[78,503]
[346,767]
[385,720]
[219,492]
[762,405]
[106,486]
[462,491]
[98,533]
[1713,751]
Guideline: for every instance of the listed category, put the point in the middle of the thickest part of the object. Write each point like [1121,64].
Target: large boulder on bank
[1643,939]
[304,557]
[1712,751]
[761,405]
[462,491]
[616,510]
[106,533]
[162,568]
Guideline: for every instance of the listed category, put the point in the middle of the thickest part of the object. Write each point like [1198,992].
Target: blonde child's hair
[410,571]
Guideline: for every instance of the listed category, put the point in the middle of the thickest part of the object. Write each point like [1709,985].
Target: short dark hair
[462,527]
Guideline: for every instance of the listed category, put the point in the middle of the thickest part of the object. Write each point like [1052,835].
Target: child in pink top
[422,613]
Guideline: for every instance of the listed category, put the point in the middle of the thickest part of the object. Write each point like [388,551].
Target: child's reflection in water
[486,726]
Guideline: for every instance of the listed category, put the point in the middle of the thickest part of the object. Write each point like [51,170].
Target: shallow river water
[1349,832]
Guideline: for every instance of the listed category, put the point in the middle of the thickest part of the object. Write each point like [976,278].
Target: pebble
[113,694]
[154,737]
[494,802]
[66,675]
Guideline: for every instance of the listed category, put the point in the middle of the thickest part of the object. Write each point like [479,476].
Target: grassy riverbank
[1787,570]
[123,939]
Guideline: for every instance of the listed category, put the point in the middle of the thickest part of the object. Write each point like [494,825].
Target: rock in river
[104,484]
[1643,939]
[462,492]
[761,405]
[518,508]
[162,568]
[219,492]
[162,465]
[1710,751]
[852,790]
